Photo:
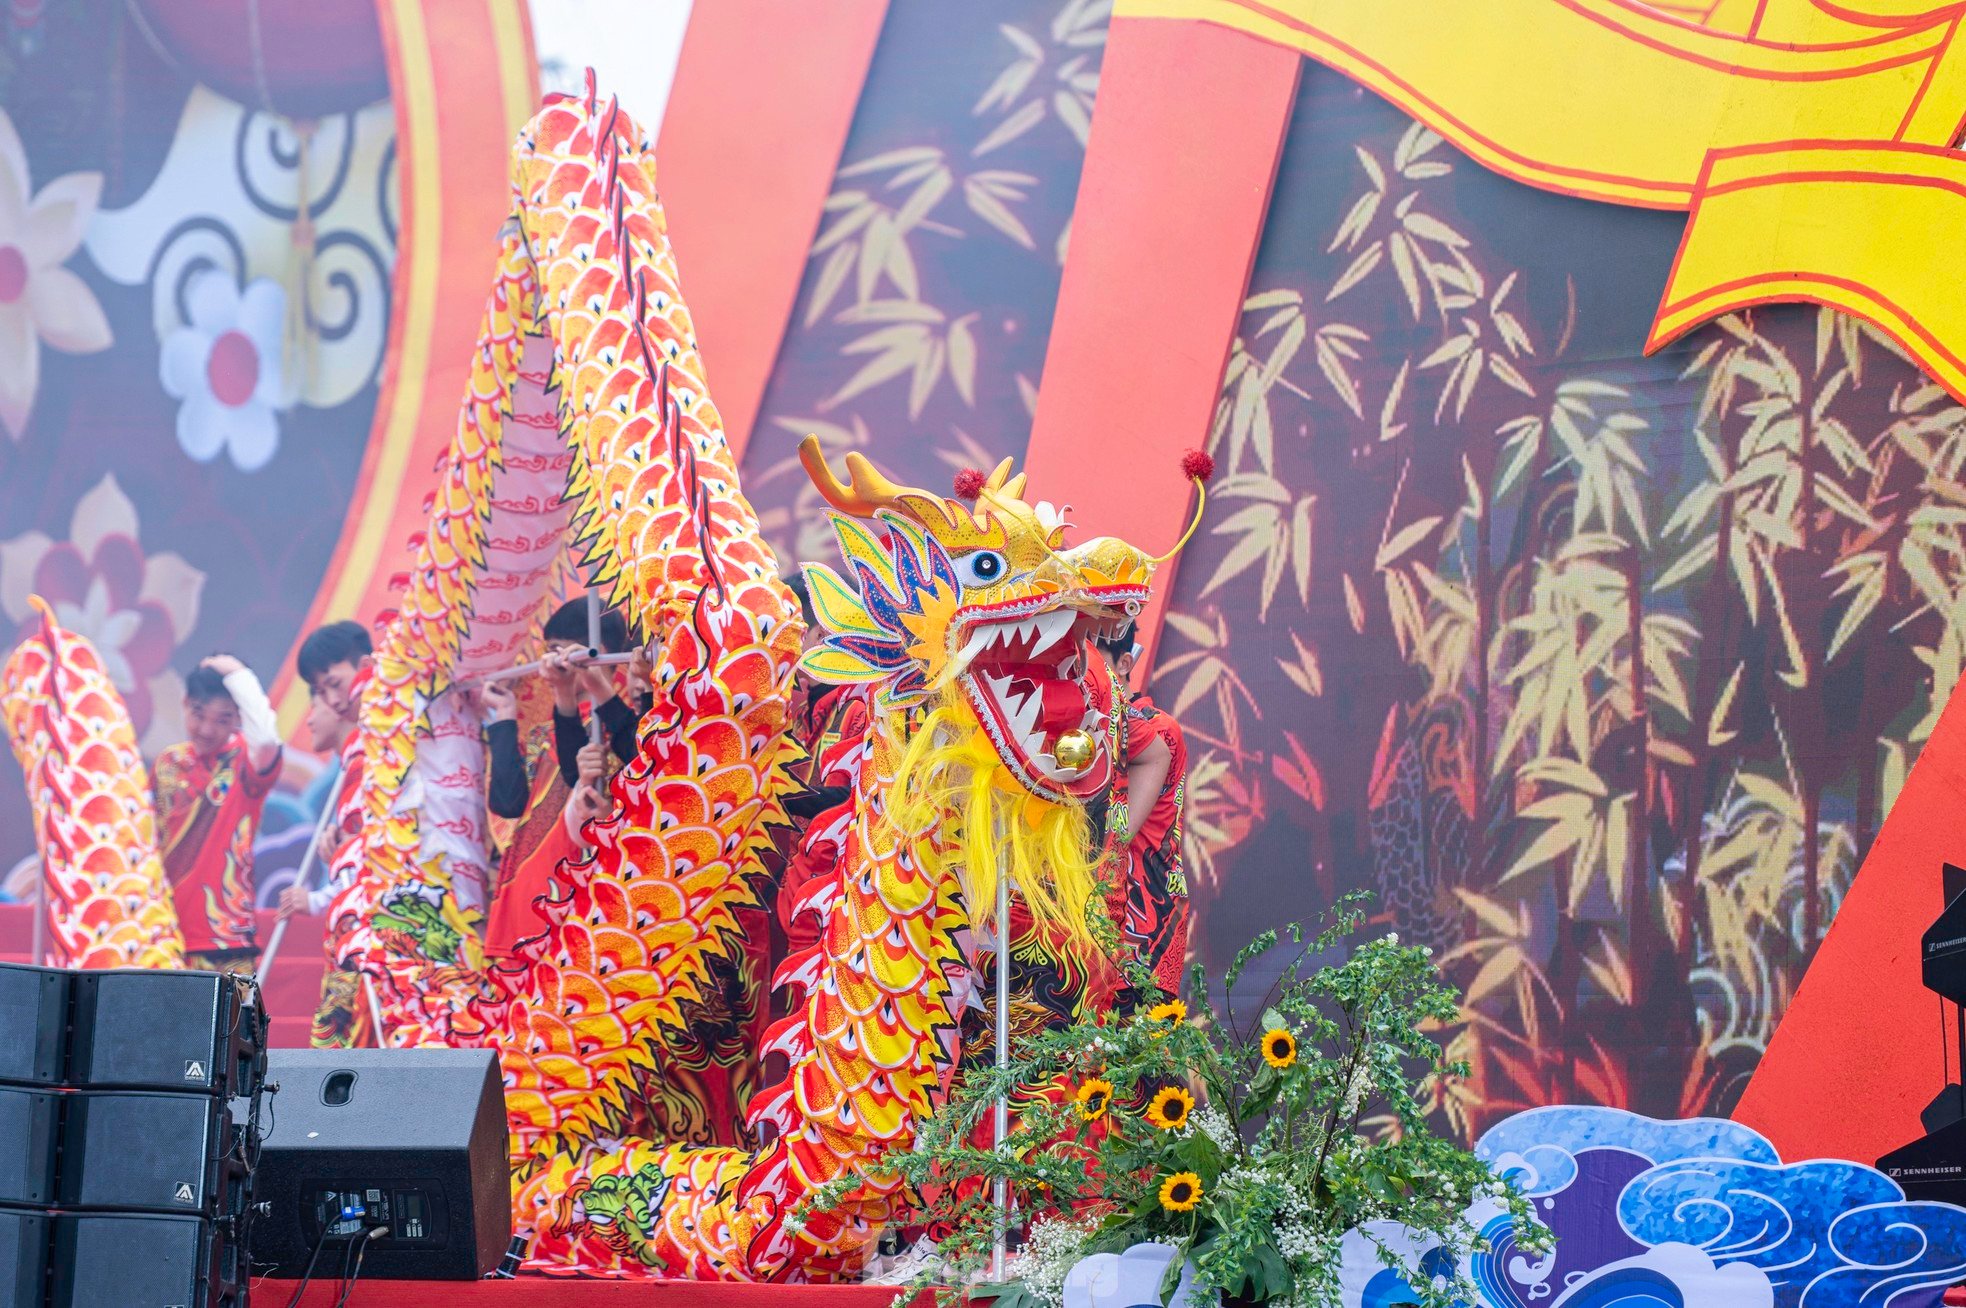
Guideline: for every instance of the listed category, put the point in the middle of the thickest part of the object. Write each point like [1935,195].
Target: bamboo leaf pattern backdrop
[920,329]
[1600,670]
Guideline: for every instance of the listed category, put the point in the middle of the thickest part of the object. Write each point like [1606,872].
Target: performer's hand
[293,900]
[326,842]
[565,679]
[582,807]
[223,664]
[501,705]
[591,763]
[641,669]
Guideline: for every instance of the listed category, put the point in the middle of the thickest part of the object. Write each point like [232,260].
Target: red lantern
[298,58]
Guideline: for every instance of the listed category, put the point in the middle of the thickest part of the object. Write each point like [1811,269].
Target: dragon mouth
[1024,665]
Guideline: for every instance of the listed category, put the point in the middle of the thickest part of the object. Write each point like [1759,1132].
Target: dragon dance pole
[1003,1061]
[375,1012]
[308,857]
[587,660]
[41,916]
[594,643]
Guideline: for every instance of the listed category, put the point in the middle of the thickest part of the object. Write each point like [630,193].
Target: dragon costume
[961,630]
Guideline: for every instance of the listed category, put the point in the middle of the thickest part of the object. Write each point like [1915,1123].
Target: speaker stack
[134,1098]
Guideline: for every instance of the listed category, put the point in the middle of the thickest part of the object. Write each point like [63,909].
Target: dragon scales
[965,635]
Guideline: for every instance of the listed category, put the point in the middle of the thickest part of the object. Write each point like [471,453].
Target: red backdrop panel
[1185,141]
[756,120]
[1857,1054]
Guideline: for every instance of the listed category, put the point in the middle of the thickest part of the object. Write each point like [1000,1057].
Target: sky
[632,46]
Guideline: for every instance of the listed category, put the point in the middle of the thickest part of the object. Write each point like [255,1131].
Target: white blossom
[1216,1126]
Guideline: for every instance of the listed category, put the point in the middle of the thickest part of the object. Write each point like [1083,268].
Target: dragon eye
[983,568]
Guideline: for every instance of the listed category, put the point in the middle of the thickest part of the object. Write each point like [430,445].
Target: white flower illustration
[39,299]
[224,367]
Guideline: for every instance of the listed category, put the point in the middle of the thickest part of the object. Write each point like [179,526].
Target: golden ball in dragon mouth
[1074,751]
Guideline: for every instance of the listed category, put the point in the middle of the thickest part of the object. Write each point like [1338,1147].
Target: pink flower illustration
[224,365]
[134,609]
[40,300]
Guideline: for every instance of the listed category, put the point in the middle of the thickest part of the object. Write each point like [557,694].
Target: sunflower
[1094,1096]
[1279,1048]
[1173,1012]
[1169,1109]
[1180,1192]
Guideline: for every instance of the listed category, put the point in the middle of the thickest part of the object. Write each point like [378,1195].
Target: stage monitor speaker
[168,1153]
[411,1140]
[23,1259]
[149,1030]
[33,1023]
[142,1260]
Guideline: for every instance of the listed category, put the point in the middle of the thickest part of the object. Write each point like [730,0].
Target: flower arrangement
[1247,1150]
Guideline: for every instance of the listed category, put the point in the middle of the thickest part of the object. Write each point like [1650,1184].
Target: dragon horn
[866,490]
[1003,484]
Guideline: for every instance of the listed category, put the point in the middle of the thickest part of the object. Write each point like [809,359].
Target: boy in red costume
[210,792]
[334,662]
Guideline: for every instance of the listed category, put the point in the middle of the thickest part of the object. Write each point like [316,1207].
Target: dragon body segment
[94,820]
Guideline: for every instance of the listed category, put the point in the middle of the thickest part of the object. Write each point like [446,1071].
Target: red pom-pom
[969,484]
[1198,465]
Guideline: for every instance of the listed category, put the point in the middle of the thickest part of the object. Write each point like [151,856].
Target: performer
[539,803]
[566,638]
[1152,912]
[210,792]
[334,662]
[326,732]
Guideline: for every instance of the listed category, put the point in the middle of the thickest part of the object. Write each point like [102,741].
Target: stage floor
[548,1292]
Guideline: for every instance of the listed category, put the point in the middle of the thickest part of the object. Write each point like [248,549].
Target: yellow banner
[1864,229]
[1617,101]
[1810,138]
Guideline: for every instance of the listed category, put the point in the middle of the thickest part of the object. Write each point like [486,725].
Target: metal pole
[588,660]
[307,858]
[375,1011]
[40,945]
[594,642]
[1003,1062]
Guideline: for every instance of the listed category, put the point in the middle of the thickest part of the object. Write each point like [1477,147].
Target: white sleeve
[256,722]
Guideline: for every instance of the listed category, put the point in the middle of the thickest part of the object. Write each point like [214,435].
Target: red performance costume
[208,812]
[1154,920]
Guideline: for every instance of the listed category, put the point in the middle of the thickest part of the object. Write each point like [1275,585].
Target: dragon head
[978,595]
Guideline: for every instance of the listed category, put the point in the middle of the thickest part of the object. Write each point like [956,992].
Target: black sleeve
[620,722]
[509,787]
[809,804]
[569,738]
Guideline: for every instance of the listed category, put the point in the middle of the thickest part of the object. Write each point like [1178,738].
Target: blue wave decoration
[1700,1213]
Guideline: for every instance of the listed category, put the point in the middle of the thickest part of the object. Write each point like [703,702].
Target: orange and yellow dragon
[963,624]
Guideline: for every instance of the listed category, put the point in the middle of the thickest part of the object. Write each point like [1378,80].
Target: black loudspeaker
[146,1030]
[33,1024]
[23,1259]
[410,1140]
[30,1134]
[161,1152]
[142,1260]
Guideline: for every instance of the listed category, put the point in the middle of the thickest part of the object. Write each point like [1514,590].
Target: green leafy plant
[1241,1144]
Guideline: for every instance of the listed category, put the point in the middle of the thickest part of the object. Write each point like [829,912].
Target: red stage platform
[546,1292]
